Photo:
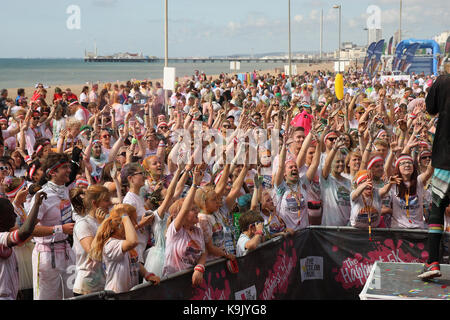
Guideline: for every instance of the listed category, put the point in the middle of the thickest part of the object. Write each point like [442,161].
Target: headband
[12,194]
[361,178]
[374,160]
[425,153]
[56,166]
[73,103]
[328,134]
[162,123]
[32,169]
[4,120]
[218,177]
[380,133]
[424,144]
[81,182]
[402,158]
[39,148]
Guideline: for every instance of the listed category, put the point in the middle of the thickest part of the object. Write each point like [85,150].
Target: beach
[77,87]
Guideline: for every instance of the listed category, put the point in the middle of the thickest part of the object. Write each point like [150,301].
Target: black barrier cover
[315,263]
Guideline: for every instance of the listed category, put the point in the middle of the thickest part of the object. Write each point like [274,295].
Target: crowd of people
[116,187]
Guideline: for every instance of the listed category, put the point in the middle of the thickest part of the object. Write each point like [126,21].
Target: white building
[375,35]
[442,38]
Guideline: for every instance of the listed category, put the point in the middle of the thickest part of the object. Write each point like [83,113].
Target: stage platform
[398,281]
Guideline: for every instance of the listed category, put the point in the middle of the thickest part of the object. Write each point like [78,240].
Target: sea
[16,73]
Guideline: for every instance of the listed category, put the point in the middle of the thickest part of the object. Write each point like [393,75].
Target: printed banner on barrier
[315,263]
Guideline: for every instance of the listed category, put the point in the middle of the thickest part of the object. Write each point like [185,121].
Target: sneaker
[430,271]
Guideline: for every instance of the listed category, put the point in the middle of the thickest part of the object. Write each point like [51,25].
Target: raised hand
[100,215]
[394,180]
[40,196]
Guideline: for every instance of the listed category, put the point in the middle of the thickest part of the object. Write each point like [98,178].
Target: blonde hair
[146,162]
[203,194]
[93,194]
[72,122]
[108,227]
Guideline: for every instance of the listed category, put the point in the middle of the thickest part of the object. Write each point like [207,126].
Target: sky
[38,29]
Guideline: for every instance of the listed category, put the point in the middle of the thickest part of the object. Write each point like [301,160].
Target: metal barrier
[316,263]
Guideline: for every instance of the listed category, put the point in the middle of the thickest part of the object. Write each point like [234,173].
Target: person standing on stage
[438,102]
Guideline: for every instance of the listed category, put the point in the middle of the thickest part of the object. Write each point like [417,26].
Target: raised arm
[424,177]
[330,157]
[187,203]
[301,157]
[168,198]
[131,239]
[26,230]
[236,188]
[312,169]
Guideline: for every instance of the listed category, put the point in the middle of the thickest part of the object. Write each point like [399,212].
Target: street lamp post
[166,52]
[338,6]
[366,29]
[290,55]
[400,23]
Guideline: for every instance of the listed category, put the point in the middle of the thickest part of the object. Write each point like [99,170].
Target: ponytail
[104,232]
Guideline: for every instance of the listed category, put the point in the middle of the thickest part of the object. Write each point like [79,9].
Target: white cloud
[298,18]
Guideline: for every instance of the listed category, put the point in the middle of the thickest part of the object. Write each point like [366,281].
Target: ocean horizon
[23,72]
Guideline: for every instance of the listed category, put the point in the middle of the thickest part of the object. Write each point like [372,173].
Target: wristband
[139,136]
[196,186]
[200,268]
[27,158]
[134,141]
[14,237]
[148,275]
[123,216]
[58,229]
[259,232]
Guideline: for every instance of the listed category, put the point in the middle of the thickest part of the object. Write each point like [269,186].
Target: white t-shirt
[90,275]
[53,211]
[122,268]
[335,196]
[292,204]
[83,97]
[81,116]
[359,217]
[183,249]
[216,228]
[240,248]
[143,234]
[9,271]
[400,217]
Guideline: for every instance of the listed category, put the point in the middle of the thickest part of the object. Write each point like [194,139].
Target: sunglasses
[4,168]
[426,157]
[36,118]
[164,127]
[405,163]
[123,154]
[331,139]
[227,126]
[106,136]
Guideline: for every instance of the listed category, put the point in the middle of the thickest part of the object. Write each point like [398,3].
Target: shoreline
[77,87]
